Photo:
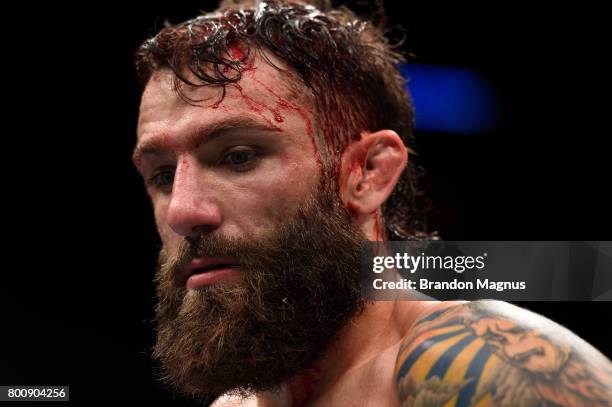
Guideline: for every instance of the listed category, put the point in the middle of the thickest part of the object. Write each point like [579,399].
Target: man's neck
[380,326]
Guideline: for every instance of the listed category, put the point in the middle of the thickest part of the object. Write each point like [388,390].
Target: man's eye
[239,158]
[162,179]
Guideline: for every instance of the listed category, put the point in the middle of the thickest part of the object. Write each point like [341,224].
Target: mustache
[251,250]
[250,253]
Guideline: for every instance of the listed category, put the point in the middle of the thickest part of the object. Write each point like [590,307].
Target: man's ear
[370,170]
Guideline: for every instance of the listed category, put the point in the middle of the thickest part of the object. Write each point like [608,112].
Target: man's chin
[218,344]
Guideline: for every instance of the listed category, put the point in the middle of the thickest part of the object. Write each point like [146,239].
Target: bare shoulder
[493,353]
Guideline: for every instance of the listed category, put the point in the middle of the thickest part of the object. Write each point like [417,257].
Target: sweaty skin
[242,165]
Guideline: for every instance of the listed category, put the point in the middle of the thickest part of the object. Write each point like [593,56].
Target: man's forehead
[260,80]
[265,99]
[160,88]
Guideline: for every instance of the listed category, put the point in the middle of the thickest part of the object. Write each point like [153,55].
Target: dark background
[80,244]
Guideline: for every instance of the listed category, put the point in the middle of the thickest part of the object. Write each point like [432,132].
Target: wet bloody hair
[346,63]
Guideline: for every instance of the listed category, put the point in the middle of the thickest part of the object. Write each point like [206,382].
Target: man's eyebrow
[157,145]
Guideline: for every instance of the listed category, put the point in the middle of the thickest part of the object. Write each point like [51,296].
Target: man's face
[239,167]
[240,181]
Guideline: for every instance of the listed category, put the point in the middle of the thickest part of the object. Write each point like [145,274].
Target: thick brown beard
[297,289]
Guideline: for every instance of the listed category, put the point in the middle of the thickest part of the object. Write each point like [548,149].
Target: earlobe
[371,168]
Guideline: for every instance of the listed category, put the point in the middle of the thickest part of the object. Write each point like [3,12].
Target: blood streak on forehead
[284,104]
[273,110]
[239,52]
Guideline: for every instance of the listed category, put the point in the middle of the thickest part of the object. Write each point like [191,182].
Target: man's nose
[191,210]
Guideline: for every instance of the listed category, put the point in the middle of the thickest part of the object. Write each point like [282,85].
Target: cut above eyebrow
[157,146]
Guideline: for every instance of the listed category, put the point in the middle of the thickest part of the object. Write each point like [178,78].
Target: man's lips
[204,271]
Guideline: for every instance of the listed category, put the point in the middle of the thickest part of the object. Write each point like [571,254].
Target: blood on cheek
[377,225]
